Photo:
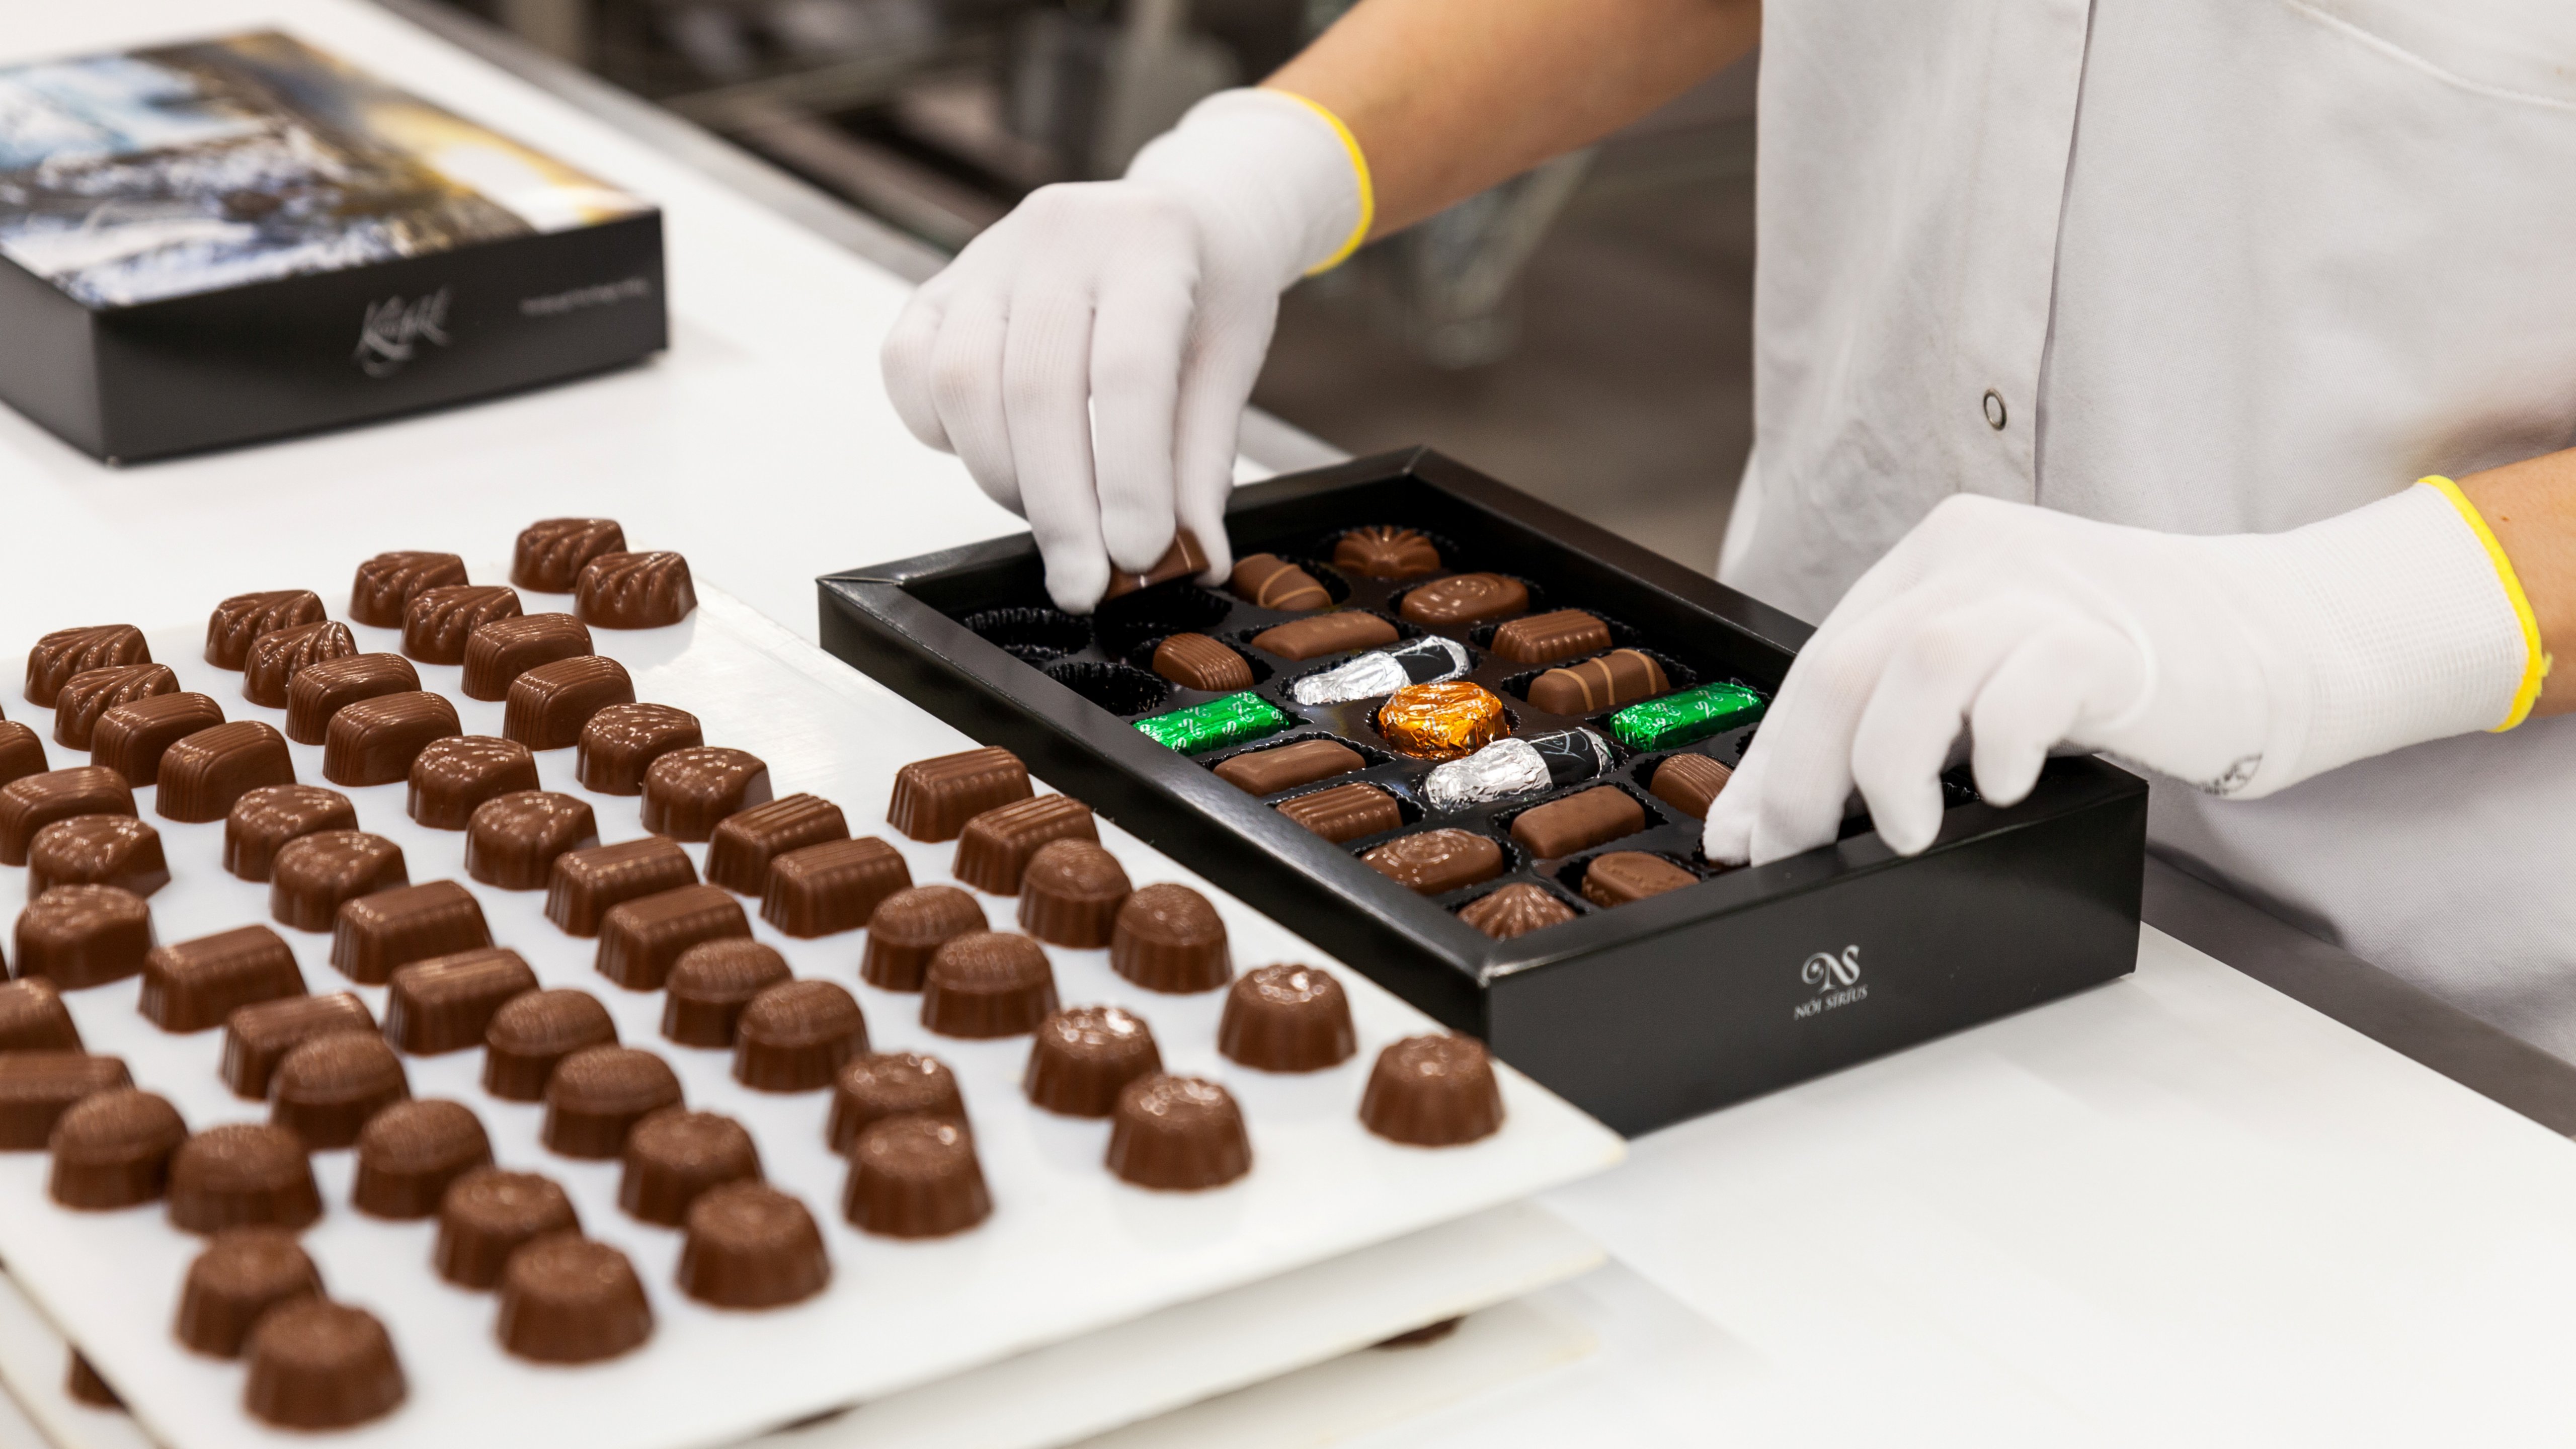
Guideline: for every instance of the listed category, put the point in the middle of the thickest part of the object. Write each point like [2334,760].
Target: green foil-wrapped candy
[1217,722]
[1678,719]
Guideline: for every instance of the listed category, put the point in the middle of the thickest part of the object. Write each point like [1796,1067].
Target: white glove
[2242,664]
[1124,322]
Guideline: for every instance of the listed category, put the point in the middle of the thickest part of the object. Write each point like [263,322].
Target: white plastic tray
[1069,1249]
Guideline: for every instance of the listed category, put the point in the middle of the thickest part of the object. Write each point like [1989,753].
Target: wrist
[1281,172]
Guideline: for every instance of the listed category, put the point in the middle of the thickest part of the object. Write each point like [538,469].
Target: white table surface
[2177,1209]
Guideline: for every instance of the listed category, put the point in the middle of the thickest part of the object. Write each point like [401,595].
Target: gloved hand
[2242,664]
[1090,355]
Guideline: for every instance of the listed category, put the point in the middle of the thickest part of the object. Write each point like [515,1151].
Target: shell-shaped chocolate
[93,692]
[314,873]
[387,583]
[437,622]
[553,551]
[686,792]
[634,591]
[1383,551]
[261,822]
[512,840]
[66,652]
[622,741]
[239,621]
[274,658]
[451,778]
[30,804]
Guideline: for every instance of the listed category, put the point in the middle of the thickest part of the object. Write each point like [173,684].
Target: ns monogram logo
[1836,979]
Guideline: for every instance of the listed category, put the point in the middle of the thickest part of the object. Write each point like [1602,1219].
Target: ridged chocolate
[1515,910]
[1690,783]
[687,792]
[915,1177]
[34,1019]
[1287,1018]
[1623,876]
[58,656]
[446,1003]
[22,753]
[743,843]
[313,875]
[258,1037]
[1195,661]
[451,777]
[1433,1091]
[1322,634]
[1168,938]
[598,1094]
[674,1155]
[326,1088]
[748,1245]
[378,932]
[1267,581]
[566,1299]
[387,583]
[1433,861]
[410,1153]
[239,621]
[375,741]
[1461,600]
[497,653]
[131,738]
[934,798]
[89,695]
[1285,767]
[315,1364]
[1622,676]
[622,741]
[703,998]
[908,929]
[1084,1057]
[648,590]
[268,673]
[816,890]
[193,985]
[437,622]
[513,841]
[1578,822]
[987,984]
[242,1175]
[869,1089]
[204,775]
[1185,556]
[263,821]
[585,884]
[551,703]
[994,849]
[1071,892]
[30,804]
[1546,638]
[531,1035]
[243,1273]
[1383,551]
[112,1150]
[37,1088]
[1345,812]
[108,850]
[1177,1134]
[321,690]
[83,936]
[551,551]
[488,1214]
[793,1036]
[640,940]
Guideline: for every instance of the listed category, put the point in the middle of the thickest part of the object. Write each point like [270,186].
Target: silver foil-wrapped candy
[1508,769]
[1424,661]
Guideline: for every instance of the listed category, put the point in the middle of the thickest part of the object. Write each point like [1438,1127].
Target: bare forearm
[2530,506]
[1448,97]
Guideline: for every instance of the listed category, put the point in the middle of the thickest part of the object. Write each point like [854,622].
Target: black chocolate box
[1643,1013]
[218,242]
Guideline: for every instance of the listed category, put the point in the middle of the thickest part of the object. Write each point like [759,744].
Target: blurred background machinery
[1582,330]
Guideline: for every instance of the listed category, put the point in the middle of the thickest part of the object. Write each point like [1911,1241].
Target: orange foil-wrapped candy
[1442,721]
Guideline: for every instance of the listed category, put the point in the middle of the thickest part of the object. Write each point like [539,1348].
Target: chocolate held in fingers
[793,1036]
[89,695]
[598,1094]
[112,1149]
[109,850]
[1177,1134]
[410,1153]
[1267,581]
[205,775]
[375,741]
[934,798]
[30,804]
[242,1175]
[533,1032]
[743,844]
[994,850]
[488,1214]
[550,704]
[751,1246]
[1434,861]
[703,999]
[1345,812]
[566,1299]
[915,1177]
[38,1087]
[1323,634]
[1433,1091]
[243,1273]
[238,622]
[987,984]
[451,778]
[263,821]
[1195,661]
[513,841]
[1383,551]
[649,590]
[497,653]
[194,985]
[675,1155]
[325,1090]
[551,551]
[1070,894]
[1083,1057]
[58,656]
[1286,1019]
[257,1037]
[1623,876]
[909,927]
[388,582]
[816,890]
[1515,910]
[313,875]
[131,738]
[1690,783]
[586,884]
[82,936]
[315,1364]
[1546,638]
[686,792]
[269,670]
[320,691]
[870,1089]
[640,940]
[1185,557]
[21,753]
[447,1003]
[437,622]
[622,741]
[34,1019]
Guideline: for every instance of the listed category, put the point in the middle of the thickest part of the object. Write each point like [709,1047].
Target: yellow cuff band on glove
[2535,667]
[1359,168]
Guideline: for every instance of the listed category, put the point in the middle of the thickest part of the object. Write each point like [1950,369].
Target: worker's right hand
[1090,355]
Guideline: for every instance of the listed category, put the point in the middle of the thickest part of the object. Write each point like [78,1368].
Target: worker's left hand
[2241,664]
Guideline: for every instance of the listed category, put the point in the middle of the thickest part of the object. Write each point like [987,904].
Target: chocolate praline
[551,704]
[794,1035]
[451,778]
[242,1175]
[437,622]
[817,890]
[586,884]
[566,1299]
[87,697]
[533,1032]
[1433,1091]
[869,1089]
[1287,1018]
[326,1089]
[31,803]
[193,985]
[108,850]
[34,1019]
[745,842]
[513,841]
[314,874]
[488,1214]
[257,1037]
[389,581]
[239,621]
[202,777]
[934,798]
[1514,911]
[687,791]
[67,652]
[649,590]
[1177,1134]
[315,1364]
[83,936]
[262,822]
[994,850]
[380,931]
[711,983]
[915,1177]
[551,551]
[243,1273]
[987,984]
[674,1155]
[268,673]
[410,1153]
[38,1087]
[1071,892]
[447,1003]
[1084,1057]
[641,940]
[131,738]
[375,741]
[751,1246]
[909,927]
[112,1150]
[598,1094]
[1168,938]
[497,653]
[622,741]
[320,690]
